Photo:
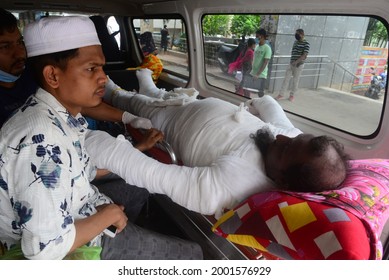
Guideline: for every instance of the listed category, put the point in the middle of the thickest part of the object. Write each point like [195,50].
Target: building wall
[335,48]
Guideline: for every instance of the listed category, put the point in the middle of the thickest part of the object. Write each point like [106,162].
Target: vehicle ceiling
[120,7]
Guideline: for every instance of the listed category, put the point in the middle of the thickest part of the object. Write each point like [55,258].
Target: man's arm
[301,58]
[88,228]
[103,112]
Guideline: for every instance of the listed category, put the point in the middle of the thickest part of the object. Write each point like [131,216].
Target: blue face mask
[256,41]
[8,78]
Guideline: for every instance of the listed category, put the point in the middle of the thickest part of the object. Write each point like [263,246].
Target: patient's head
[304,163]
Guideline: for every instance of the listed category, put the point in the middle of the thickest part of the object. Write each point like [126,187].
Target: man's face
[82,84]
[298,35]
[284,152]
[12,52]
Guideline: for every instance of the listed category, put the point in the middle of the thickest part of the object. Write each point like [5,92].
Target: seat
[126,79]
[112,53]
[161,151]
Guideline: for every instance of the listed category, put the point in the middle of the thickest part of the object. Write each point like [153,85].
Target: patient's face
[284,152]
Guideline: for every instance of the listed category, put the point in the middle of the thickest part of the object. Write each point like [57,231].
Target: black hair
[321,173]
[300,31]
[250,42]
[261,32]
[8,22]
[58,59]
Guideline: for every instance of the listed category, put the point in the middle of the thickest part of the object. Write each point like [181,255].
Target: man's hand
[101,173]
[115,212]
[150,138]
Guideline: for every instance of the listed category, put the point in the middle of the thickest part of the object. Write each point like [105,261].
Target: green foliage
[245,24]
[376,34]
[216,24]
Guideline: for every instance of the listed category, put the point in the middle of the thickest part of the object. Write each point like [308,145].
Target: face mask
[257,41]
[8,78]
[297,36]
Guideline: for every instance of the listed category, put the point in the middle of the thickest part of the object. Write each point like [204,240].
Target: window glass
[341,83]
[168,43]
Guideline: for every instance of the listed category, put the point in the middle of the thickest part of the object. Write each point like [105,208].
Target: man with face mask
[258,75]
[16,84]
[299,53]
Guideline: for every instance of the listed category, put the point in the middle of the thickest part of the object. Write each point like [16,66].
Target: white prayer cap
[56,34]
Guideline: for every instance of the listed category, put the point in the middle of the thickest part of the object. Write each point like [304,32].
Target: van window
[342,81]
[169,42]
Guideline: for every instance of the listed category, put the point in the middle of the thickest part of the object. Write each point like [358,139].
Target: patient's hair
[326,170]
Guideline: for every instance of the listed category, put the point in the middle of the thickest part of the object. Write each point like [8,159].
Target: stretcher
[202,228]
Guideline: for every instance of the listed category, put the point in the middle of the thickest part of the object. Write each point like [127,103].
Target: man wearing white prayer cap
[48,206]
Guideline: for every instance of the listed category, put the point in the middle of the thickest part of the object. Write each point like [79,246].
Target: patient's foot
[177,96]
[146,84]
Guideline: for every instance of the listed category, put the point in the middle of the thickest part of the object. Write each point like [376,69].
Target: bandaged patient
[228,153]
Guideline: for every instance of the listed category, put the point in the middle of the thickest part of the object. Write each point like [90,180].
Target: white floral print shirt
[44,179]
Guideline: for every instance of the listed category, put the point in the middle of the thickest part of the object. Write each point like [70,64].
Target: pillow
[341,224]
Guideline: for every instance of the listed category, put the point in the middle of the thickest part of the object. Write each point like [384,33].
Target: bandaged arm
[269,111]
[207,190]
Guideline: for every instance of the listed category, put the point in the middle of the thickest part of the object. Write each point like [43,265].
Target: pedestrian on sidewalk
[243,65]
[256,81]
[164,39]
[299,54]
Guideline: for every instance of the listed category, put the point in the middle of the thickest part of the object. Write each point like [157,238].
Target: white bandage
[136,122]
[146,84]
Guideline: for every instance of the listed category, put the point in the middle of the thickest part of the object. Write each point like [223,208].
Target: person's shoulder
[25,125]
[26,115]
[267,49]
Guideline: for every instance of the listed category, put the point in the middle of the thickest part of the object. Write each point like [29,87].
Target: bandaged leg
[177,96]
[146,84]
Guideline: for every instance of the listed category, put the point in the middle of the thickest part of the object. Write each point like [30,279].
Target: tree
[376,34]
[242,25]
[216,24]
